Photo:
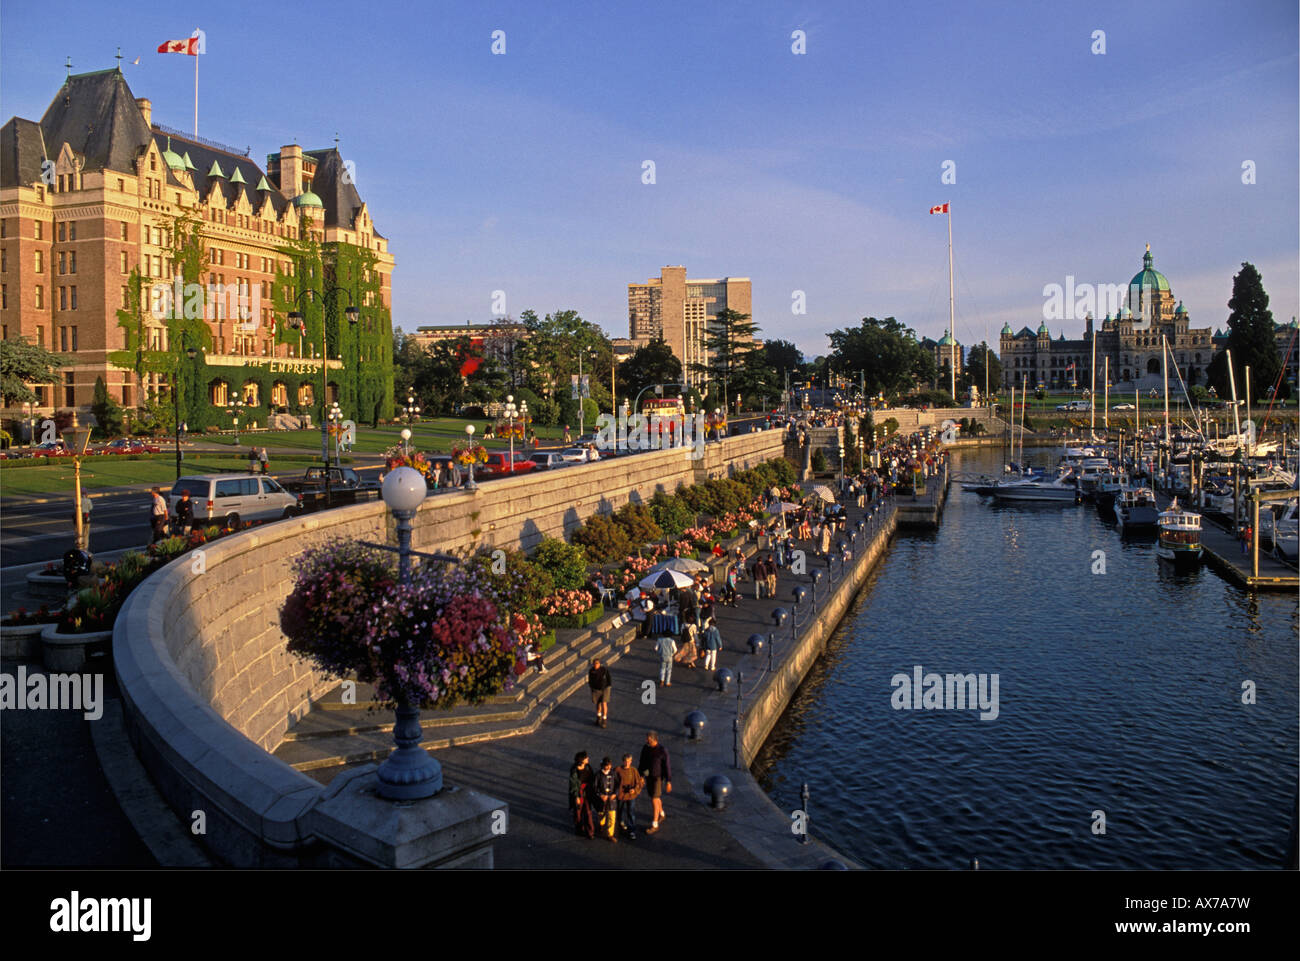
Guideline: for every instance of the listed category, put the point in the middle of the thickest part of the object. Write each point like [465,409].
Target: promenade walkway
[530,772]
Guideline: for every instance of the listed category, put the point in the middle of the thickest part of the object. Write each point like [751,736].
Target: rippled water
[1118,692]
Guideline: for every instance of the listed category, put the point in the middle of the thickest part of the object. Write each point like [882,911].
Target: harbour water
[1120,694]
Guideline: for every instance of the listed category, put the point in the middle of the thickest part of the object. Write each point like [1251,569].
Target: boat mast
[1232,382]
[1164,367]
[1092,393]
[1105,407]
[952,313]
[1024,407]
[1012,456]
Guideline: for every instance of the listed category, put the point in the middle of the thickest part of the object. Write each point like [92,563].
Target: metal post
[1254,535]
[804,797]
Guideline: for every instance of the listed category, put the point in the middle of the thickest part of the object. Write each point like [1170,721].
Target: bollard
[718,788]
[756,642]
[833,865]
[722,677]
[695,723]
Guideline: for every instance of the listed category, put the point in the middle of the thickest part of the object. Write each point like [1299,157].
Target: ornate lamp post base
[410,773]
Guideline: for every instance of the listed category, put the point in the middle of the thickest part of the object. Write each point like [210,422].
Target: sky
[523,171]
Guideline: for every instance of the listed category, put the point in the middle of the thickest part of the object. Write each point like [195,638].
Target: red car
[129,445]
[498,465]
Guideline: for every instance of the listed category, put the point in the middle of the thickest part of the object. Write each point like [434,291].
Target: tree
[652,363]
[107,411]
[975,367]
[551,355]
[23,363]
[886,352]
[783,357]
[728,342]
[1251,340]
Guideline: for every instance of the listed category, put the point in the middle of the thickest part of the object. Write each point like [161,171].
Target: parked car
[234,498]
[498,465]
[344,486]
[1073,405]
[579,455]
[1122,407]
[52,448]
[548,461]
[129,445]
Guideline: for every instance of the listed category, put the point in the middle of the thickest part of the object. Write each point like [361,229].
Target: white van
[234,498]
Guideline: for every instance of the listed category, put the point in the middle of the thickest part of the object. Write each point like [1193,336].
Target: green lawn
[430,435]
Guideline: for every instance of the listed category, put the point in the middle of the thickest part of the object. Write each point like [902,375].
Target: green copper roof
[189,164]
[215,170]
[308,199]
[1042,329]
[1180,309]
[1006,330]
[237,177]
[171,158]
[1149,277]
[946,340]
[262,184]
[1126,314]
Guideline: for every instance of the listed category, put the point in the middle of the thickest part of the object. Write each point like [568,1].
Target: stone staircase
[334,733]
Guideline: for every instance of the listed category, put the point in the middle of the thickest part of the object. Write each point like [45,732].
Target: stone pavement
[530,773]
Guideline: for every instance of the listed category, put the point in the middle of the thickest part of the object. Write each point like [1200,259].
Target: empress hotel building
[1130,341]
[90,192]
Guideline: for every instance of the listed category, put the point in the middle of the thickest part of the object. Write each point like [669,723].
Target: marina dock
[1223,553]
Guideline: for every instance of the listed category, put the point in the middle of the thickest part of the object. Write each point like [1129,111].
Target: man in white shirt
[158,516]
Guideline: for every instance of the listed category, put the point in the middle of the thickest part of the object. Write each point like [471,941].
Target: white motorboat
[1136,510]
[1180,536]
[1061,490]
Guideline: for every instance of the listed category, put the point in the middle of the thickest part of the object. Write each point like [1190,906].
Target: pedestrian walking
[1245,538]
[184,513]
[606,791]
[158,516]
[687,653]
[601,683]
[770,571]
[630,783]
[711,640]
[760,578]
[266,463]
[252,460]
[657,768]
[665,647]
[568,439]
[581,778]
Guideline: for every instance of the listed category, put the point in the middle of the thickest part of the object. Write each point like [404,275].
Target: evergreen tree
[728,344]
[1250,339]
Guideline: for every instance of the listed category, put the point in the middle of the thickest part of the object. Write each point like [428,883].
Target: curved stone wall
[208,687]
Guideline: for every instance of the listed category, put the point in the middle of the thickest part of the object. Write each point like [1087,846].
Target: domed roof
[1180,309]
[308,199]
[1042,329]
[946,340]
[1149,277]
[1006,330]
[171,158]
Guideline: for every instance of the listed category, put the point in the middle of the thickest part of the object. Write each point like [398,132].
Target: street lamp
[298,323]
[406,441]
[176,407]
[335,428]
[411,410]
[470,485]
[511,412]
[233,409]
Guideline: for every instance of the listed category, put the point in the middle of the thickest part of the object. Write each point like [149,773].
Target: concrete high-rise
[679,309]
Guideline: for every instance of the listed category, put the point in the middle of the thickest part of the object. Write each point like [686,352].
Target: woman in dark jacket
[581,781]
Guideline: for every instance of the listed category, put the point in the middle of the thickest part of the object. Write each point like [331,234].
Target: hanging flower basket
[467,453]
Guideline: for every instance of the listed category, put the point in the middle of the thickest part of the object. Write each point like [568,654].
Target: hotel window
[72,262]
[40,225]
[124,230]
[73,299]
[121,184]
[153,162]
[4,296]
[60,183]
[40,297]
[157,266]
[126,298]
[40,195]
[63,338]
[40,335]
[40,262]
[69,394]
[63,262]
[72,230]
[63,232]
[74,338]
[4,228]
[122,262]
[63,301]
[4,261]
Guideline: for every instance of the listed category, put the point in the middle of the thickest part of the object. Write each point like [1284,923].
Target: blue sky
[814,172]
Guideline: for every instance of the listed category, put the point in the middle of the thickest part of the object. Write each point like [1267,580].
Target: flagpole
[952,363]
[196,96]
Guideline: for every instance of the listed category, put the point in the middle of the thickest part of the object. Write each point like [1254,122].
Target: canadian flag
[941,209]
[193,45]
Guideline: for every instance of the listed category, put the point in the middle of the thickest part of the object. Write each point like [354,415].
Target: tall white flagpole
[952,348]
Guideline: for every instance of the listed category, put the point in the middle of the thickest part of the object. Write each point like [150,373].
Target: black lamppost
[233,409]
[297,322]
[176,404]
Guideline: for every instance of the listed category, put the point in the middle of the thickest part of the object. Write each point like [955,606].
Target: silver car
[234,498]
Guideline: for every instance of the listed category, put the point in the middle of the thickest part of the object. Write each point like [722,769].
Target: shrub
[565,563]
[819,461]
[638,523]
[890,426]
[671,513]
[603,540]
[522,581]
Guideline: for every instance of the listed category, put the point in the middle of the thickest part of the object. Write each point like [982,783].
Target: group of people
[257,457]
[606,797]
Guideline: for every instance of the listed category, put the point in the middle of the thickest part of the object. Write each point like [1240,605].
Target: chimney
[146,108]
[290,171]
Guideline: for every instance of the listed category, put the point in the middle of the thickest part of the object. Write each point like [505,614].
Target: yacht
[1136,510]
[1180,536]
[1062,490]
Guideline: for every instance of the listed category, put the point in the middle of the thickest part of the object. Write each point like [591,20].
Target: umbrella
[824,492]
[662,580]
[687,565]
[781,507]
